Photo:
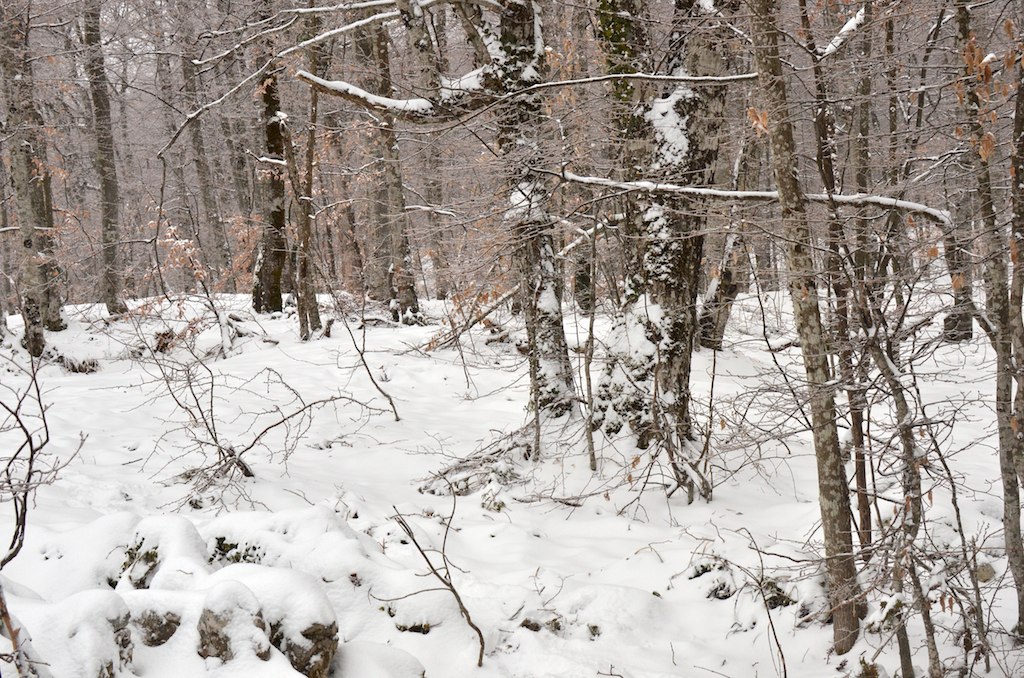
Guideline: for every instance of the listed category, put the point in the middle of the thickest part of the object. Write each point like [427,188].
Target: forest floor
[567,573]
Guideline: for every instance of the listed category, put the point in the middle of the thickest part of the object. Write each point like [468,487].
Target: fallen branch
[446,577]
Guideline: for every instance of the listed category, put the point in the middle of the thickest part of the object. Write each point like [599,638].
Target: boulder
[231,624]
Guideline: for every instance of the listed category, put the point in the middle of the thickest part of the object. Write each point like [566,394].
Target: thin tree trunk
[388,265]
[1005,333]
[215,250]
[6,265]
[723,288]
[833,493]
[308,310]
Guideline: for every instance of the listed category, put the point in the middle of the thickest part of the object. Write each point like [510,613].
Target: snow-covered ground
[565,572]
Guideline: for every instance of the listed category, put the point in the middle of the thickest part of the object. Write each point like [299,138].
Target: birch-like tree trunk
[833,491]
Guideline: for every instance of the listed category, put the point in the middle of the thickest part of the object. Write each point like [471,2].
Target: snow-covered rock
[231,624]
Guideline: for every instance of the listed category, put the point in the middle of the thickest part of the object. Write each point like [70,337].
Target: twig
[446,578]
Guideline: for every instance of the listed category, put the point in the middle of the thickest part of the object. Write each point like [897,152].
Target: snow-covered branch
[345,90]
[853,199]
[844,34]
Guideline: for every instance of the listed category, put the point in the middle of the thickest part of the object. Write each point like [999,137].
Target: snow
[416,105]
[625,581]
[849,28]
[670,127]
[293,599]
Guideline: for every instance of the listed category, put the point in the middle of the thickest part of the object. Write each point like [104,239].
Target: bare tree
[833,493]
[31,180]
[105,160]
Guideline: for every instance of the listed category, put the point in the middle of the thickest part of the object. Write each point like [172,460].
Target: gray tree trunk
[213,230]
[30,178]
[1005,330]
[105,159]
[388,264]
[520,125]
[833,491]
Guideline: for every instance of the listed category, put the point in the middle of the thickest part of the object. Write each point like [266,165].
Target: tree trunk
[388,264]
[1011,448]
[519,142]
[305,289]
[833,492]
[106,163]
[30,179]
[212,232]
[672,137]
[6,265]
[1006,332]
[272,249]
[723,287]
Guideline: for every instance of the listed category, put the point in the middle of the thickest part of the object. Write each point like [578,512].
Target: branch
[844,34]
[446,578]
[26,659]
[418,107]
[422,109]
[856,199]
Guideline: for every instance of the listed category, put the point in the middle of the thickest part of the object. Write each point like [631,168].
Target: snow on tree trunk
[674,137]
[519,140]
[270,256]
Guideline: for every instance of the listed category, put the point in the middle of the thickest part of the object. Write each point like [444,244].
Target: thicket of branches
[647,158]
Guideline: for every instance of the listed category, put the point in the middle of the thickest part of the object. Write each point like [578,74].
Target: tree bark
[106,164]
[30,179]
[1006,332]
[272,249]
[388,264]
[833,493]
[520,125]
[672,137]
[213,231]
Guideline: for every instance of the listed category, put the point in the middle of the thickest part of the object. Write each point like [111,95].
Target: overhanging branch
[853,199]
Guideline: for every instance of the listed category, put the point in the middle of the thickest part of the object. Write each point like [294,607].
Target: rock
[985,572]
[158,542]
[98,638]
[156,628]
[303,625]
[231,624]
[311,658]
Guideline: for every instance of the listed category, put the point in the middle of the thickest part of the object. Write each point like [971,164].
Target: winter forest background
[512,338]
